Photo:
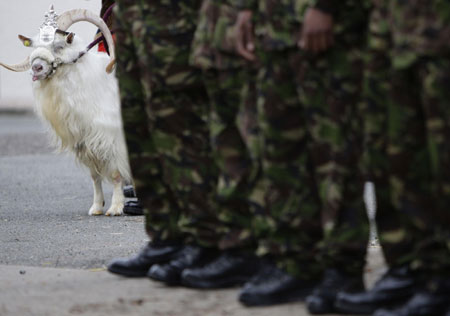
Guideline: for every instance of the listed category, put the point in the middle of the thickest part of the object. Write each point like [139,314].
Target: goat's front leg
[118,199]
[99,200]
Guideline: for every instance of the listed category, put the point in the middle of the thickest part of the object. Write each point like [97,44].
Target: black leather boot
[229,269]
[138,266]
[188,257]
[323,297]
[274,286]
[434,300]
[133,208]
[128,191]
[394,288]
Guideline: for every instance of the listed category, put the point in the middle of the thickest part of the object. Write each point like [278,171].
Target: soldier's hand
[245,45]
[317,33]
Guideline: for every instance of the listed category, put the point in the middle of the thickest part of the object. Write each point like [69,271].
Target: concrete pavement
[53,256]
[45,198]
[49,291]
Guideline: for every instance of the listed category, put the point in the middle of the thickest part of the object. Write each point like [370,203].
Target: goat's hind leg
[99,200]
[118,199]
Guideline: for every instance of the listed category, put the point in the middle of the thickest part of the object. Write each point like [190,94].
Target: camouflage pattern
[418,28]
[330,93]
[165,111]
[213,44]
[308,205]
[231,155]
[285,202]
[407,131]
[225,75]
[278,22]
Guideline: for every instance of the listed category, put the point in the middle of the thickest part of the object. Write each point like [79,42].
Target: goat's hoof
[115,211]
[95,212]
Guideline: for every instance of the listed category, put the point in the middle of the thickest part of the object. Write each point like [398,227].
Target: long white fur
[81,103]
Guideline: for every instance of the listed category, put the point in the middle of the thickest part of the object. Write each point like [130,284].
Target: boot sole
[315,309]
[360,309]
[343,307]
[133,211]
[172,282]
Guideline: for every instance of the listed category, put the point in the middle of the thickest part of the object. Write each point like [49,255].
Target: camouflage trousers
[331,86]
[308,203]
[284,201]
[407,128]
[165,117]
[228,139]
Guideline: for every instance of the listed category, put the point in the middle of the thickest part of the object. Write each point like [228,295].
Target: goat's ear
[26,41]
[69,38]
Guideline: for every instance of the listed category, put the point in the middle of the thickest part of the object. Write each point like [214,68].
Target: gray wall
[24,17]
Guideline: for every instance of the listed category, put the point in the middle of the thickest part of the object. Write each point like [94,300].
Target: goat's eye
[57,49]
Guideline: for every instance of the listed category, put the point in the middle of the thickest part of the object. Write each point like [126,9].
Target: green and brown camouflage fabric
[407,129]
[165,115]
[308,207]
[330,91]
[231,155]
[418,28]
[225,76]
[285,202]
[213,44]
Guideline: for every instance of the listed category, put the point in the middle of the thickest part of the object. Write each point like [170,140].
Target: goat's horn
[23,66]
[66,19]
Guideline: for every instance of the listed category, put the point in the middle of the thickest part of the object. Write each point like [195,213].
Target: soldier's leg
[431,253]
[389,107]
[231,155]
[285,202]
[402,220]
[189,171]
[237,262]
[182,138]
[185,156]
[330,91]
[177,111]
[134,83]
[413,149]
[286,205]
[397,164]
[434,74]
[224,79]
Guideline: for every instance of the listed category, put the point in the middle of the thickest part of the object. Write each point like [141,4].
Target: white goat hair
[81,103]
[76,94]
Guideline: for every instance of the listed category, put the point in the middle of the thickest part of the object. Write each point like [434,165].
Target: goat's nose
[37,68]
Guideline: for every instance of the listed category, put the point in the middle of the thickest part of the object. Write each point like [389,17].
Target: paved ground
[44,205]
[53,256]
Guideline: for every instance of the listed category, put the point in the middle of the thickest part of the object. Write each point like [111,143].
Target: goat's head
[48,55]
[54,46]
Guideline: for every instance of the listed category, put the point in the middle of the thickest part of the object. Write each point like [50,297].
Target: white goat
[80,101]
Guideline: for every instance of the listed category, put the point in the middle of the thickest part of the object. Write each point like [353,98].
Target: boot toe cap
[319,305]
